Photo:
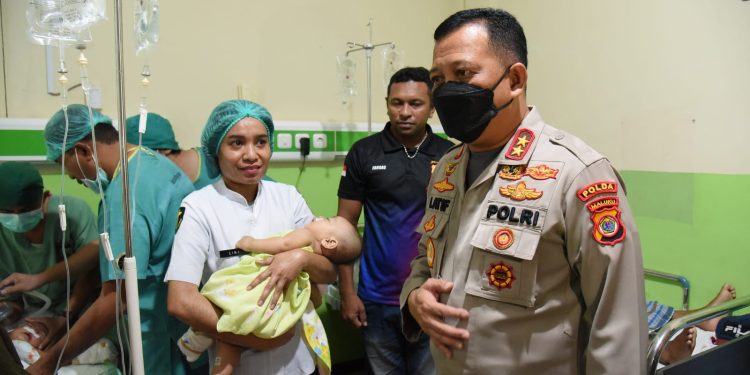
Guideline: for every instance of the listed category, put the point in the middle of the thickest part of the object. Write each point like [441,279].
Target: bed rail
[679,279]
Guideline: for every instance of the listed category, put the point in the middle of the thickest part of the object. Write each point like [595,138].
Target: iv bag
[393,60]
[54,22]
[146,25]
[347,68]
[81,14]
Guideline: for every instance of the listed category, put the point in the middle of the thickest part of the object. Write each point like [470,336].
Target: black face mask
[465,110]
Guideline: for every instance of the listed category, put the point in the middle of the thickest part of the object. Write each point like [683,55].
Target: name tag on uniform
[231,253]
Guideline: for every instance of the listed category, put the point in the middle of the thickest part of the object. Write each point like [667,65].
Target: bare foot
[726,293]
[681,347]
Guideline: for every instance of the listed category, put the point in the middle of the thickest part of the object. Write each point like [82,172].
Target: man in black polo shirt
[388,173]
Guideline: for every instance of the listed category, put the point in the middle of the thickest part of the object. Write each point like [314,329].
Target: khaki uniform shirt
[543,253]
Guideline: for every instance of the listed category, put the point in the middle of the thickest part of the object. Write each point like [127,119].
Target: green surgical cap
[158,135]
[79,126]
[224,117]
[20,186]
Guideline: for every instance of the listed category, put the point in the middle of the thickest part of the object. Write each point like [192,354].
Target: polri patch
[450,168]
[608,228]
[511,172]
[429,225]
[500,275]
[541,172]
[603,202]
[503,238]
[443,186]
[597,188]
[521,144]
[430,252]
[520,192]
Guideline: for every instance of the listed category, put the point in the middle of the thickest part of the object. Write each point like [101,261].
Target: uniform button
[559,136]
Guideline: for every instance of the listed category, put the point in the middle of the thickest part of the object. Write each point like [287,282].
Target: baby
[335,238]
[29,336]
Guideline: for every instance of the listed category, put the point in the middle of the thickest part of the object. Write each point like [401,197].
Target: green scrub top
[205,171]
[157,194]
[17,254]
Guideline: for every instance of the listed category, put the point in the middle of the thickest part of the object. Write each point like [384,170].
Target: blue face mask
[101,175]
[23,222]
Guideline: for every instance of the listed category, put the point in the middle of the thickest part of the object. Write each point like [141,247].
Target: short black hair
[505,33]
[105,133]
[416,74]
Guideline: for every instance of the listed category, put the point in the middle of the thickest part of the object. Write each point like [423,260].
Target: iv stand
[367,47]
[129,262]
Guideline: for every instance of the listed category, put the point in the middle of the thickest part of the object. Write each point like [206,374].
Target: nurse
[157,191]
[31,240]
[238,140]
[159,137]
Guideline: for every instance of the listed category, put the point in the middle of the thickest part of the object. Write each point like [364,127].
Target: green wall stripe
[22,143]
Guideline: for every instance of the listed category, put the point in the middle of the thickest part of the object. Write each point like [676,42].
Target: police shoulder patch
[180,215]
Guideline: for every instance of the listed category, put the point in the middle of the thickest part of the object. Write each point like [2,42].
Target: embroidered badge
[460,153]
[450,168]
[503,238]
[433,164]
[511,172]
[541,172]
[430,252]
[443,186]
[603,202]
[429,225]
[520,192]
[608,228]
[597,188]
[500,275]
[520,145]
[180,215]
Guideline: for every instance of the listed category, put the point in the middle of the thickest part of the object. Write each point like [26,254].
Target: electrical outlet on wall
[299,136]
[284,141]
[319,140]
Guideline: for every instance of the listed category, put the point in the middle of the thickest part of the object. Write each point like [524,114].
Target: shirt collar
[390,144]
[232,195]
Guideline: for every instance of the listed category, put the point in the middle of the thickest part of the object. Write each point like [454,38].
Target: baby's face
[31,332]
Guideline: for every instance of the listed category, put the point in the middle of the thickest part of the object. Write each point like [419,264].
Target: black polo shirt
[392,188]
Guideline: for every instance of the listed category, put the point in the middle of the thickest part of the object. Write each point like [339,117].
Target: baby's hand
[245,243]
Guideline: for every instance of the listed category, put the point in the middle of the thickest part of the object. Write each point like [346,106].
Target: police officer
[529,260]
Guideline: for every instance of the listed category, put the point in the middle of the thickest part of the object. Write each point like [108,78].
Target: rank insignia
[500,275]
[603,202]
[443,186]
[460,153]
[520,145]
[511,172]
[541,172]
[433,164]
[503,238]
[597,188]
[430,252]
[608,228]
[520,192]
[429,225]
[450,168]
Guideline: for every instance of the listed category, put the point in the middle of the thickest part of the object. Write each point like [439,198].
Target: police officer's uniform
[543,253]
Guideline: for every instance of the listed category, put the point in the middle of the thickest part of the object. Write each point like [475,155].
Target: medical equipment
[368,47]
[146,25]
[346,70]
[393,60]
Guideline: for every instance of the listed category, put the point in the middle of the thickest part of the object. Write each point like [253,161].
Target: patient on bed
[683,344]
[29,336]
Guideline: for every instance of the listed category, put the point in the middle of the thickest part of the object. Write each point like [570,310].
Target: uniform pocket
[501,278]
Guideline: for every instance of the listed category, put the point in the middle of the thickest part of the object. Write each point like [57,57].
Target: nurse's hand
[282,269]
[21,282]
[53,328]
[430,314]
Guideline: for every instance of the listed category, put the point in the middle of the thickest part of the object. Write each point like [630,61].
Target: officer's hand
[353,310]
[20,282]
[282,269]
[430,313]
